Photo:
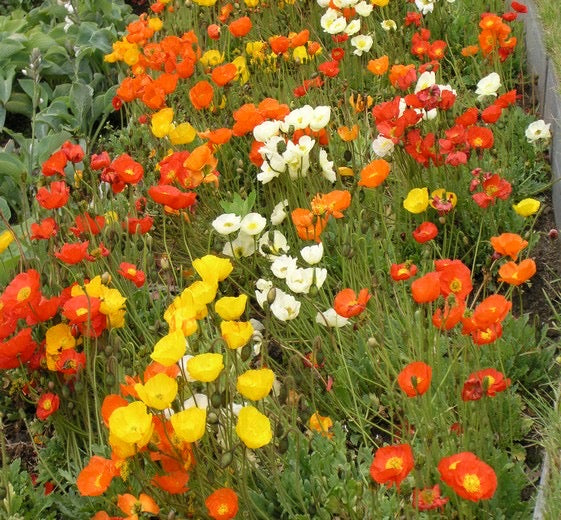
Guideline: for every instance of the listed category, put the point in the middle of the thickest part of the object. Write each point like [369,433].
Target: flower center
[395,463]
[471,483]
[23,294]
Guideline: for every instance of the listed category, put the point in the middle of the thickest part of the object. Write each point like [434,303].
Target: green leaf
[41,41]
[6,80]
[27,85]
[20,103]
[2,117]
[11,166]
[9,48]
[81,101]
[50,144]
[5,210]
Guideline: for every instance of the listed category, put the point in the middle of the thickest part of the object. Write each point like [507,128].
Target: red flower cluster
[468,476]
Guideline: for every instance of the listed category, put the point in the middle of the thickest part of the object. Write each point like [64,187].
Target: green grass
[550,13]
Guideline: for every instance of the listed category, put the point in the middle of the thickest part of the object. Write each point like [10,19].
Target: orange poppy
[222,504]
[403,271]
[17,350]
[374,173]
[516,274]
[415,378]
[279,44]
[130,272]
[484,382]
[44,230]
[156,368]
[508,244]
[174,482]
[480,137]
[22,293]
[110,403]
[73,253]
[428,498]
[130,505]
[201,95]
[247,117]
[455,278]
[240,27]
[127,169]
[425,232]
[96,477]
[392,464]
[402,76]
[470,50]
[379,66]
[348,134]
[218,136]
[270,108]
[493,309]
[299,39]
[308,226]
[332,203]
[348,304]
[172,197]
[199,159]
[448,317]
[426,288]
[223,74]
[55,164]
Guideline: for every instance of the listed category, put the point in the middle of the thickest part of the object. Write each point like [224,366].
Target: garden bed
[314,274]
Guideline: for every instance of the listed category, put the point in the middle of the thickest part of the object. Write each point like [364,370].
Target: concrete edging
[540,65]
[548,93]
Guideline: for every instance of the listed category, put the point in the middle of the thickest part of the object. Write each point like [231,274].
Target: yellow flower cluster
[162,125]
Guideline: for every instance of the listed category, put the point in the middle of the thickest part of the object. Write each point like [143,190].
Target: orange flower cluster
[494,37]
[310,224]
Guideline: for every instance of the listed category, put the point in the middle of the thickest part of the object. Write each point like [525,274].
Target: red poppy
[213,31]
[415,378]
[329,68]
[80,309]
[490,334]
[201,95]
[425,232]
[348,304]
[130,272]
[426,288]
[100,161]
[174,482]
[222,504]
[468,476]
[127,169]
[43,310]
[69,361]
[480,137]
[53,197]
[518,7]
[74,152]
[130,505]
[455,278]
[138,225]
[73,253]
[392,464]
[428,498]
[484,382]
[47,405]
[55,164]
[403,271]
[86,224]
[172,196]
[491,114]
[44,230]
[240,27]
[22,293]
[17,350]
[448,317]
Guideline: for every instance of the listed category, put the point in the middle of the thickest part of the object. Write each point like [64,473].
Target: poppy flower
[450,315]
[425,232]
[468,476]
[415,378]
[426,288]
[73,152]
[213,31]
[484,382]
[17,350]
[379,66]
[486,335]
[321,424]
[96,476]
[138,225]
[22,293]
[253,428]
[329,68]
[201,95]
[110,403]
[517,274]
[70,362]
[130,505]
[348,304]
[332,203]
[172,196]
[508,244]
[127,169]
[80,309]
[73,253]
[403,271]
[86,224]
[100,161]
[130,272]
[240,27]
[55,164]
[455,278]
[491,310]
[392,464]
[174,482]
[518,7]
[374,173]
[348,134]
[428,498]
[53,197]
[44,230]
[480,137]
[222,504]
[47,405]
[223,74]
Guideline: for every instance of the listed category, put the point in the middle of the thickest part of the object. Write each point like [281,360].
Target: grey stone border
[539,64]
[548,93]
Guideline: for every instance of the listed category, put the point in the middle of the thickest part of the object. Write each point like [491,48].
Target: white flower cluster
[248,228]
[333,21]
[299,280]
[538,130]
[427,6]
[281,154]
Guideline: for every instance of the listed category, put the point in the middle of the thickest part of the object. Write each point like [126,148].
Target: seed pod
[51,385]
[347,155]
[226,459]
[372,343]
[246,352]
[212,418]
[283,445]
[216,399]
[271,295]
